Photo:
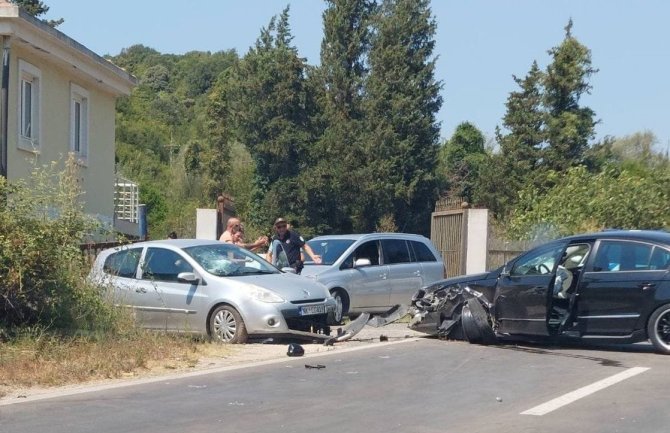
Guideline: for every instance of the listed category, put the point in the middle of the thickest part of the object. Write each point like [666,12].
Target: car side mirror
[188,277]
[504,273]
[289,270]
[361,263]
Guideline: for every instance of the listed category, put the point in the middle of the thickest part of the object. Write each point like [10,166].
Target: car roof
[178,243]
[357,236]
[642,235]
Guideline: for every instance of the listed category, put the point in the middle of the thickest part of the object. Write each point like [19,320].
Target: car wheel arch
[216,305]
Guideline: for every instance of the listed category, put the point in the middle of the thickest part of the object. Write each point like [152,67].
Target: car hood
[289,286]
[312,270]
[462,280]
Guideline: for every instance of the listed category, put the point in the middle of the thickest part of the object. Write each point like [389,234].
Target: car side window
[537,262]
[620,256]
[395,251]
[163,265]
[422,253]
[660,259]
[367,250]
[123,263]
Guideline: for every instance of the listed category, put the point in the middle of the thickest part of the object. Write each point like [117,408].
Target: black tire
[475,323]
[341,308]
[226,326]
[470,330]
[658,329]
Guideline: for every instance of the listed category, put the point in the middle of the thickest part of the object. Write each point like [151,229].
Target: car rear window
[422,253]
[395,251]
[123,263]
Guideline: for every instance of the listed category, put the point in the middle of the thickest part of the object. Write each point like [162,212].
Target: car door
[368,285]
[617,290]
[522,293]
[166,302]
[120,274]
[404,273]
[432,267]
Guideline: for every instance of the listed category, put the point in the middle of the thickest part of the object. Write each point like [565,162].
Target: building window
[79,121]
[29,106]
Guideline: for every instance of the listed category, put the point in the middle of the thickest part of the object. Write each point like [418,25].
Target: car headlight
[265,295]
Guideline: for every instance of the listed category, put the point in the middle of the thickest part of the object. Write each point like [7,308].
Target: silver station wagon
[213,288]
[373,272]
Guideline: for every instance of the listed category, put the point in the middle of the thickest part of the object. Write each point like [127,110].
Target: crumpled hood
[289,286]
[462,280]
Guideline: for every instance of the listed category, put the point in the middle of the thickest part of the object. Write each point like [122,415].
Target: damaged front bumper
[452,312]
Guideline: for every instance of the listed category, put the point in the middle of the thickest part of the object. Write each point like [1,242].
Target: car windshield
[329,249]
[227,260]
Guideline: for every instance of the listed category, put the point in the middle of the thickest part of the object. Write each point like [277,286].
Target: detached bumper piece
[459,313]
[347,332]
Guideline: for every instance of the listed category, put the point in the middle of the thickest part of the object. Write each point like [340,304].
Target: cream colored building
[58,97]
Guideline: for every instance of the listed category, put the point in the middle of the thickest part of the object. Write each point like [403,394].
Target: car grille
[308,301]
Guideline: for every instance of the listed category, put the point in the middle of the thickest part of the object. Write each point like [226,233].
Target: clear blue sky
[480,44]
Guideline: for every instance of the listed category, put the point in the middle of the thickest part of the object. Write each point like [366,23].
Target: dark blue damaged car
[611,286]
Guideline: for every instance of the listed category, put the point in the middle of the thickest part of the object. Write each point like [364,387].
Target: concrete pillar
[477,239]
[205,224]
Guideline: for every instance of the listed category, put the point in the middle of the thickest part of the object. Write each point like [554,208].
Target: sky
[480,45]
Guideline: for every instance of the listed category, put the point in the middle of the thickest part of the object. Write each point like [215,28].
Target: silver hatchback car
[373,272]
[212,288]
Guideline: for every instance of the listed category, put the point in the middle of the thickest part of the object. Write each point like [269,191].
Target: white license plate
[308,310]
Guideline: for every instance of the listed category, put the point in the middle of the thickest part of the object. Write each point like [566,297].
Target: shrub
[42,269]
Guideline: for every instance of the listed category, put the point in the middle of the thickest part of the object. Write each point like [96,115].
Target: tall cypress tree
[569,126]
[402,134]
[338,85]
[267,112]
[520,147]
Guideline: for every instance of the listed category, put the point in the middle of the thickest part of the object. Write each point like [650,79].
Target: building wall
[97,174]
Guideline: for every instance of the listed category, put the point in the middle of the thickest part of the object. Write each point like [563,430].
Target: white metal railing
[126,200]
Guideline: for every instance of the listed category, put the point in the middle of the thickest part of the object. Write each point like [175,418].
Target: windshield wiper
[258,272]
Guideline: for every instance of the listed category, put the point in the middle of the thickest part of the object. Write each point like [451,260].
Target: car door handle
[141,290]
[647,286]
[417,273]
[382,276]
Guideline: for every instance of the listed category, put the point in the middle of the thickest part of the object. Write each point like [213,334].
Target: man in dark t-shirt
[291,242]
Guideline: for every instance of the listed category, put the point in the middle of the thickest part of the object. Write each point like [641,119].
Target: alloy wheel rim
[225,325]
[338,307]
[662,327]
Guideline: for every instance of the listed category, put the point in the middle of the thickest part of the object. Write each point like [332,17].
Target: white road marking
[573,396]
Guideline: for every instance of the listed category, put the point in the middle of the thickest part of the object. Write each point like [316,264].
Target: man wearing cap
[291,242]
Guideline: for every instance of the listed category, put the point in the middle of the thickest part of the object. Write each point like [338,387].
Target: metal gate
[448,232]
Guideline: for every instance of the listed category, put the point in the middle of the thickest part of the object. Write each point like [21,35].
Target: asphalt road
[415,386]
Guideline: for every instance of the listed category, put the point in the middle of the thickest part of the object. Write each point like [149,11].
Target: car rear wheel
[341,307]
[475,323]
[658,329]
[226,325]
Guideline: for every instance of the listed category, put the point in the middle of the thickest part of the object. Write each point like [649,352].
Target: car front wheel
[335,317]
[226,325]
[658,329]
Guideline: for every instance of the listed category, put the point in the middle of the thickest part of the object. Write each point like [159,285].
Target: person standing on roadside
[291,242]
[232,226]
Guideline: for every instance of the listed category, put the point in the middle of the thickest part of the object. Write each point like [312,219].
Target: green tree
[401,143]
[37,8]
[569,126]
[338,121]
[581,201]
[464,156]
[520,146]
[265,104]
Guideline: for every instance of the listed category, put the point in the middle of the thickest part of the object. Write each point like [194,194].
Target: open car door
[522,296]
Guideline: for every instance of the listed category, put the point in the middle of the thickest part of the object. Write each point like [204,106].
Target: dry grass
[47,360]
